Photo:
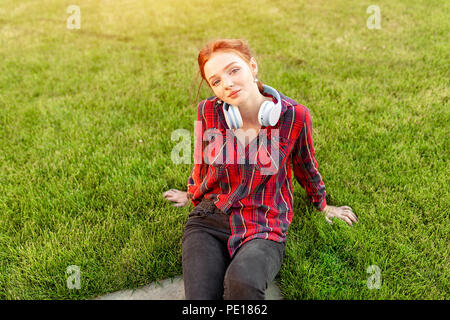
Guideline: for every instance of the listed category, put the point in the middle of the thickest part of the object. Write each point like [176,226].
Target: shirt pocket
[218,155]
[221,171]
[270,157]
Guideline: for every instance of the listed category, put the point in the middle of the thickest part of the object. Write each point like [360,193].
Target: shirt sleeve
[306,167]
[197,173]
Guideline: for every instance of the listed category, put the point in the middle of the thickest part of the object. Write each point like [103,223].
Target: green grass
[86,118]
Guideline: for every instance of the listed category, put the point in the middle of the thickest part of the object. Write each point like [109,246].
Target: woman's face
[226,72]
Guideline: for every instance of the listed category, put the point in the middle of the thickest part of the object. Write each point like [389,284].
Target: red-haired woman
[234,239]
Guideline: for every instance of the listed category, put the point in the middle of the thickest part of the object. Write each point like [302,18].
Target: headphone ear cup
[275,113]
[232,117]
[225,113]
[262,114]
[269,112]
[266,115]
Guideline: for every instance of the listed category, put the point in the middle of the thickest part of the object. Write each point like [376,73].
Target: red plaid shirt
[259,204]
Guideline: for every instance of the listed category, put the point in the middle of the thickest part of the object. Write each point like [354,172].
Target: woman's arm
[305,165]
[307,174]
[182,198]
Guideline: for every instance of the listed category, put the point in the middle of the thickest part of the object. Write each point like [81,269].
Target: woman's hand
[177,196]
[344,213]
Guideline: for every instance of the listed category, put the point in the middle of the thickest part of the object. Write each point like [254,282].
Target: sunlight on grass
[86,117]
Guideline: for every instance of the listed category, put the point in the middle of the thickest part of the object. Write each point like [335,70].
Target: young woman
[234,239]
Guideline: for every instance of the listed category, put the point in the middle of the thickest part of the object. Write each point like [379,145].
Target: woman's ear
[253,67]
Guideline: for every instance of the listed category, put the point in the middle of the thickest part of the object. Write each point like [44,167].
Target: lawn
[86,118]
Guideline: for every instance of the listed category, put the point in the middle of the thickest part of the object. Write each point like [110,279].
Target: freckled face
[226,72]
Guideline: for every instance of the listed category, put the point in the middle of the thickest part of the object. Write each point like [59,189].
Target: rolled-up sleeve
[306,167]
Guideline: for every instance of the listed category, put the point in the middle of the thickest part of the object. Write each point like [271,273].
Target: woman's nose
[228,82]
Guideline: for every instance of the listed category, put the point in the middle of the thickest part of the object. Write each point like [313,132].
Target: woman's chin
[234,101]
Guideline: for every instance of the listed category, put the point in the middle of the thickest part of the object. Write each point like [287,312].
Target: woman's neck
[249,112]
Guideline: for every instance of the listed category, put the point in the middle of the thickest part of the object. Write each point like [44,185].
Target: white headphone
[269,112]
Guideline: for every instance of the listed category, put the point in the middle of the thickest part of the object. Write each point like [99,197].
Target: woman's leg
[253,266]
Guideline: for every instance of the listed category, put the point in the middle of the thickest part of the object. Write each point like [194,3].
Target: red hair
[237,46]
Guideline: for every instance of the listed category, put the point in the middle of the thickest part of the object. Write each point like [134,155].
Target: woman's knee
[256,264]
[241,283]
[238,290]
[244,280]
[201,251]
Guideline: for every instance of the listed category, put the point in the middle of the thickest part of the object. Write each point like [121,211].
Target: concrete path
[171,289]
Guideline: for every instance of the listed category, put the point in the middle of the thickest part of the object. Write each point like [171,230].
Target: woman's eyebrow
[223,69]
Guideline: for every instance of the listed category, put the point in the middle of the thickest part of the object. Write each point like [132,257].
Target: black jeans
[208,271]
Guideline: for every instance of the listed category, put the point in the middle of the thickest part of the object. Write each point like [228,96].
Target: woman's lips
[234,94]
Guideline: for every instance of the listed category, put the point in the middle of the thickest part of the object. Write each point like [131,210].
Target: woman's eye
[233,71]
